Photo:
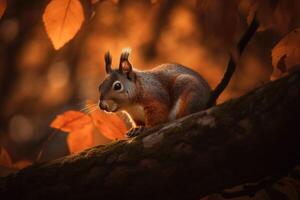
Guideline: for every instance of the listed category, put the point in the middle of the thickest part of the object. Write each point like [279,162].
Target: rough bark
[243,140]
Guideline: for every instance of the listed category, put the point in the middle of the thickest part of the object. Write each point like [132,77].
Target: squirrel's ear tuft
[125,66]
[108,61]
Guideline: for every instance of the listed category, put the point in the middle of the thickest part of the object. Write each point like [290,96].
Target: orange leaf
[22,164]
[110,125]
[71,121]
[84,129]
[62,20]
[286,54]
[5,159]
[81,139]
[3,5]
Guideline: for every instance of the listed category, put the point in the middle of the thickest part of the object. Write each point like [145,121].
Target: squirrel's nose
[103,105]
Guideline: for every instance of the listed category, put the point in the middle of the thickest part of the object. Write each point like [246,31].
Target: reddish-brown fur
[155,113]
[163,91]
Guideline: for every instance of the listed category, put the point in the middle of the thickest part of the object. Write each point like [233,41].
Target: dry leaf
[286,54]
[3,5]
[5,159]
[80,129]
[6,162]
[71,121]
[62,20]
[21,164]
[111,125]
[81,139]
[7,166]
[83,128]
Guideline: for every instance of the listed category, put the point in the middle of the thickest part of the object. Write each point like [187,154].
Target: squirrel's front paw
[135,131]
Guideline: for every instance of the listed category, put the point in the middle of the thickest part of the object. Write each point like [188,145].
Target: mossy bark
[243,140]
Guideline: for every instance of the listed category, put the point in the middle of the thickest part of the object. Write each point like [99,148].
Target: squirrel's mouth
[108,106]
[114,108]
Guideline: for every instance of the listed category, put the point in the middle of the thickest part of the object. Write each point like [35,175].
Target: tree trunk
[243,140]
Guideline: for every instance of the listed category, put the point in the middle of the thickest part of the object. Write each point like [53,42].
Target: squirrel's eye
[117,86]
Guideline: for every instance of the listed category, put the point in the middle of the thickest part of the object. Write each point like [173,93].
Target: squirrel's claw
[135,131]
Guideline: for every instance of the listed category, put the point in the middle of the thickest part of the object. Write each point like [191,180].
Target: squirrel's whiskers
[87,109]
[92,110]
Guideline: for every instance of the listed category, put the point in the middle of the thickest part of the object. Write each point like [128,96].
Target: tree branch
[243,140]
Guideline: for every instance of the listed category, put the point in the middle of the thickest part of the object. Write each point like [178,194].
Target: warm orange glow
[37,81]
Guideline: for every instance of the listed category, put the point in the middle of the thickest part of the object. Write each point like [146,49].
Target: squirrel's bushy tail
[232,62]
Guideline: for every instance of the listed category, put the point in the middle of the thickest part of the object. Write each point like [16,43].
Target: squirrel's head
[118,89]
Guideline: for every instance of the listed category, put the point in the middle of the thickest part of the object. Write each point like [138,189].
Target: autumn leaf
[110,125]
[81,139]
[7,166]
[62,20]
[286,54]
[5,159]
[3,5]
[71,121]
[84,128]
[20,164]
[80,128]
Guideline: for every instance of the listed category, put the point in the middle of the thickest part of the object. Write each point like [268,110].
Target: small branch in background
[161,21]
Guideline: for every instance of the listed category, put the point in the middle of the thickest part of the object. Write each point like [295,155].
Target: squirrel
[164,93]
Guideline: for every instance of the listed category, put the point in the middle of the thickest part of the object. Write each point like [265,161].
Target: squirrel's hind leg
[182,107]
[189,95]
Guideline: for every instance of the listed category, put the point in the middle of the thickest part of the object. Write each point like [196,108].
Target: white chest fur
[136,112]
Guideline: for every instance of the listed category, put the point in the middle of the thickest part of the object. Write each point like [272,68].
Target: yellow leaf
[286,54]
[62,20]
[3,4]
